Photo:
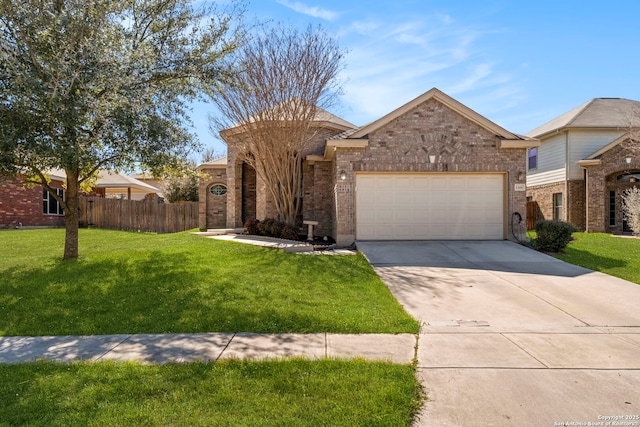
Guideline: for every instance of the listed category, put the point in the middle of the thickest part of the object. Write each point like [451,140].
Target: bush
[252,226]
[271,228]
[631,208]
[289,232]
[553,236]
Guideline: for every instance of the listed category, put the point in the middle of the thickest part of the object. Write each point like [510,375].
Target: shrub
[271,228]
[631,208]
[268,227]
[553,236]
[252,226]
[289,232]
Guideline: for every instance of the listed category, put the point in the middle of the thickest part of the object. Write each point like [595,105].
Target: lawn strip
[617,256]
[179,283]
[292,393]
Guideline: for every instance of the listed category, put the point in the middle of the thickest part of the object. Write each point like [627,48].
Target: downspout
[565,202]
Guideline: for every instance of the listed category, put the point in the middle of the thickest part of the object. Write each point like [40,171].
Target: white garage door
[429,206]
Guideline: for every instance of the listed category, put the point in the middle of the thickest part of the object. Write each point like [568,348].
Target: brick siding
[212,209]
[601,180]
[542,195]
[23,206]
[404,145]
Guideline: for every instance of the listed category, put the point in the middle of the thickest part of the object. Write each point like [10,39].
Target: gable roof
[359,137]
[220,162]
[445,99]
[627,136]
[110,179]
[618,113]
[322,118]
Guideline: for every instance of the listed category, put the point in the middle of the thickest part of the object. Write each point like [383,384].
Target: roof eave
[589,162]
[519,143]
[331,145]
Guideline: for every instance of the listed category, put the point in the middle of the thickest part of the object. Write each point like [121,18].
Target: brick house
[30,207]
[586,159]
[431,169]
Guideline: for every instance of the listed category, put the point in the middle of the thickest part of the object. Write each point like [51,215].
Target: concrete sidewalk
[208,347]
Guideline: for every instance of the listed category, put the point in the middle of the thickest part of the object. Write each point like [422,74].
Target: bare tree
[631,208]
[284,76]
[210,154]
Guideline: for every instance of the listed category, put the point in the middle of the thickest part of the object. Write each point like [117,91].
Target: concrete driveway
[513,337]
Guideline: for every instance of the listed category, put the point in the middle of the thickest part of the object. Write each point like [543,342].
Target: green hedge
[553,236]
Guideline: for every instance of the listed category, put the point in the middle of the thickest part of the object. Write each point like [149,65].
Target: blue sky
[519,63]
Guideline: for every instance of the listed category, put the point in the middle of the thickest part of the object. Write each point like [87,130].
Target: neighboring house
[116,185]
[30,207]
[586,159]
[35,207]
[431,169]
[147,178]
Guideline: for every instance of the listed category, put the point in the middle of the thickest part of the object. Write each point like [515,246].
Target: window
[218,190]
[50,205]
[532,156]
[612,208]
[557,206]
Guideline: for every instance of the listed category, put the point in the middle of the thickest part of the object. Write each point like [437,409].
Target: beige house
[431,169]
[586,159]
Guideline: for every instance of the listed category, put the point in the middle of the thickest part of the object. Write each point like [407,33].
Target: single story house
[586,159]
[431,169]
[36,207]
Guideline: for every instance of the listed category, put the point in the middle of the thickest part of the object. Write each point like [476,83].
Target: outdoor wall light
[432,158]
[343,175]
[628,160]
[520,175]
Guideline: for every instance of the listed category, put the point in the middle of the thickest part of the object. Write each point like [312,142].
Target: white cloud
[445,19]
[313,11]
[394,60]
[480,72]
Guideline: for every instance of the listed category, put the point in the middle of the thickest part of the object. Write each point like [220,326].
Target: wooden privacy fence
[533,215]
[135,215]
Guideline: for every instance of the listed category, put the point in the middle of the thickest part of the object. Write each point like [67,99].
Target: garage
[430,206]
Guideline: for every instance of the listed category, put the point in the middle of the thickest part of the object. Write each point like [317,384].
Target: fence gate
[533,215]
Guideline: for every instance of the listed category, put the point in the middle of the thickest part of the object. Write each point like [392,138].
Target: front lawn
[617,256]
[228,393]
[147,283]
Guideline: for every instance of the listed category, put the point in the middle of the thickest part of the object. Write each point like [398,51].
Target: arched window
[218,190]
[628,178]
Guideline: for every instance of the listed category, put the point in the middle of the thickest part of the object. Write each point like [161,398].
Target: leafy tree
[97,84]
[284,76]
[181,185]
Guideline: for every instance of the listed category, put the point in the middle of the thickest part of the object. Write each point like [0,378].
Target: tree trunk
[71,216]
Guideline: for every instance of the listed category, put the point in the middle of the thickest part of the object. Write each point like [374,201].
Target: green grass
[616,256]
[230,393]
[147,283]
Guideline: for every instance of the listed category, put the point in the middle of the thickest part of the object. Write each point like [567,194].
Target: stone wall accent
[612,163]
[405,144]
[23,206]
[543,196]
